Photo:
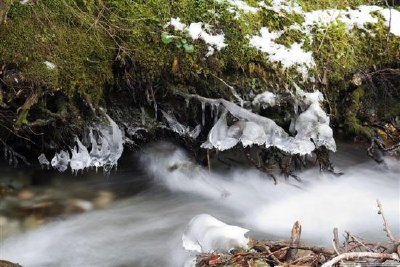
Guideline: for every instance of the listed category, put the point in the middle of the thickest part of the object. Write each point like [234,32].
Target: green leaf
[166,38]
[189,48]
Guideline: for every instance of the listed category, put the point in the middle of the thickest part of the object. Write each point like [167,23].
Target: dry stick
[386,227]
[335,241]
[358,255]
[294,242]
[358,241]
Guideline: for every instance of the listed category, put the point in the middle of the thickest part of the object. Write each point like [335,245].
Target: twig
[358,241]
[357,255]
[294,242]
[335,241]
[386,227]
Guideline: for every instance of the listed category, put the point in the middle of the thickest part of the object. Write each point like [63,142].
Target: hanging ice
[60,161]
[44,162]
[80,157]
[107,145]
[205,233]
[180,129]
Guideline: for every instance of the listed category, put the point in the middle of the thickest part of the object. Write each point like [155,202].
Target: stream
[159,189]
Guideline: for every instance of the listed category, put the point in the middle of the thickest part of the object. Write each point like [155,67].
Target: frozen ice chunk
[60,161]
[205,233]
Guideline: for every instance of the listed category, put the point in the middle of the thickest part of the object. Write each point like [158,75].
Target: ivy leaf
[166,38]
[189,48]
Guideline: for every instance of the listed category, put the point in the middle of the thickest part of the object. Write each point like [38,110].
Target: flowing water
[166,189]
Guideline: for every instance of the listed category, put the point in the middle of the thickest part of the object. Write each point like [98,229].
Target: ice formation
[180,129]
[106,142]
[43,161]
[311,126]
[60,161]
[205,233]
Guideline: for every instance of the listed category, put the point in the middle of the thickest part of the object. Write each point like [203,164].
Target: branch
[294,242]
[358,255]
[386,227]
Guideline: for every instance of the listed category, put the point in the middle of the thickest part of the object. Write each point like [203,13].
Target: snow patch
[49,65]
[200,30]
[287,56]
[205,233]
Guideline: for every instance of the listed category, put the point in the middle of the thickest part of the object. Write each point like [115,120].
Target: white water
[146,229]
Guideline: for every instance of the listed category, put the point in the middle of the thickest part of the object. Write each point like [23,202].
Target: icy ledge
[106,143]
[204,234]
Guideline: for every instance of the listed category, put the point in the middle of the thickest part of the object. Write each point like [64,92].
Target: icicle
[203,114]
[143,115]
[80,157]
[174,124]
[60,161]
[44,162]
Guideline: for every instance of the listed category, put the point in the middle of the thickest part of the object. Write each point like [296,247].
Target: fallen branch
[359,255]
[386,227]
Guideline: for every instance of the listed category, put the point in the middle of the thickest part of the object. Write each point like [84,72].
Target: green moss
[88,40]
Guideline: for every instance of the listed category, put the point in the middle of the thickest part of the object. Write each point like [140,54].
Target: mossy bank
[63,60]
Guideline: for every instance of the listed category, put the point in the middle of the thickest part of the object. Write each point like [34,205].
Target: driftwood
[293,253]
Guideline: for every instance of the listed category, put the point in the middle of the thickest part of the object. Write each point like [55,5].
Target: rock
[103,200]
[5,190]
[4,263]
[26,194]
[78,206]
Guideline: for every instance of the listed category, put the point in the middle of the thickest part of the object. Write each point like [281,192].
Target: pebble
[26,194]
[78,206]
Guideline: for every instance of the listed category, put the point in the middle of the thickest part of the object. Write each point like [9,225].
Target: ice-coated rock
[204,233]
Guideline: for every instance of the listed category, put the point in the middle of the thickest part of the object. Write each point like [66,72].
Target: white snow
[177,24]
[205,233]
[392,20]
[242,6]
[200,31]
[49,65]
[287,56]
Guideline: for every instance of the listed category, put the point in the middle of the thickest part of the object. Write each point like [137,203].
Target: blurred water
[146,228]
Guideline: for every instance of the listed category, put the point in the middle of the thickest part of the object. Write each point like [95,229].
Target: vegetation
[61,60]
